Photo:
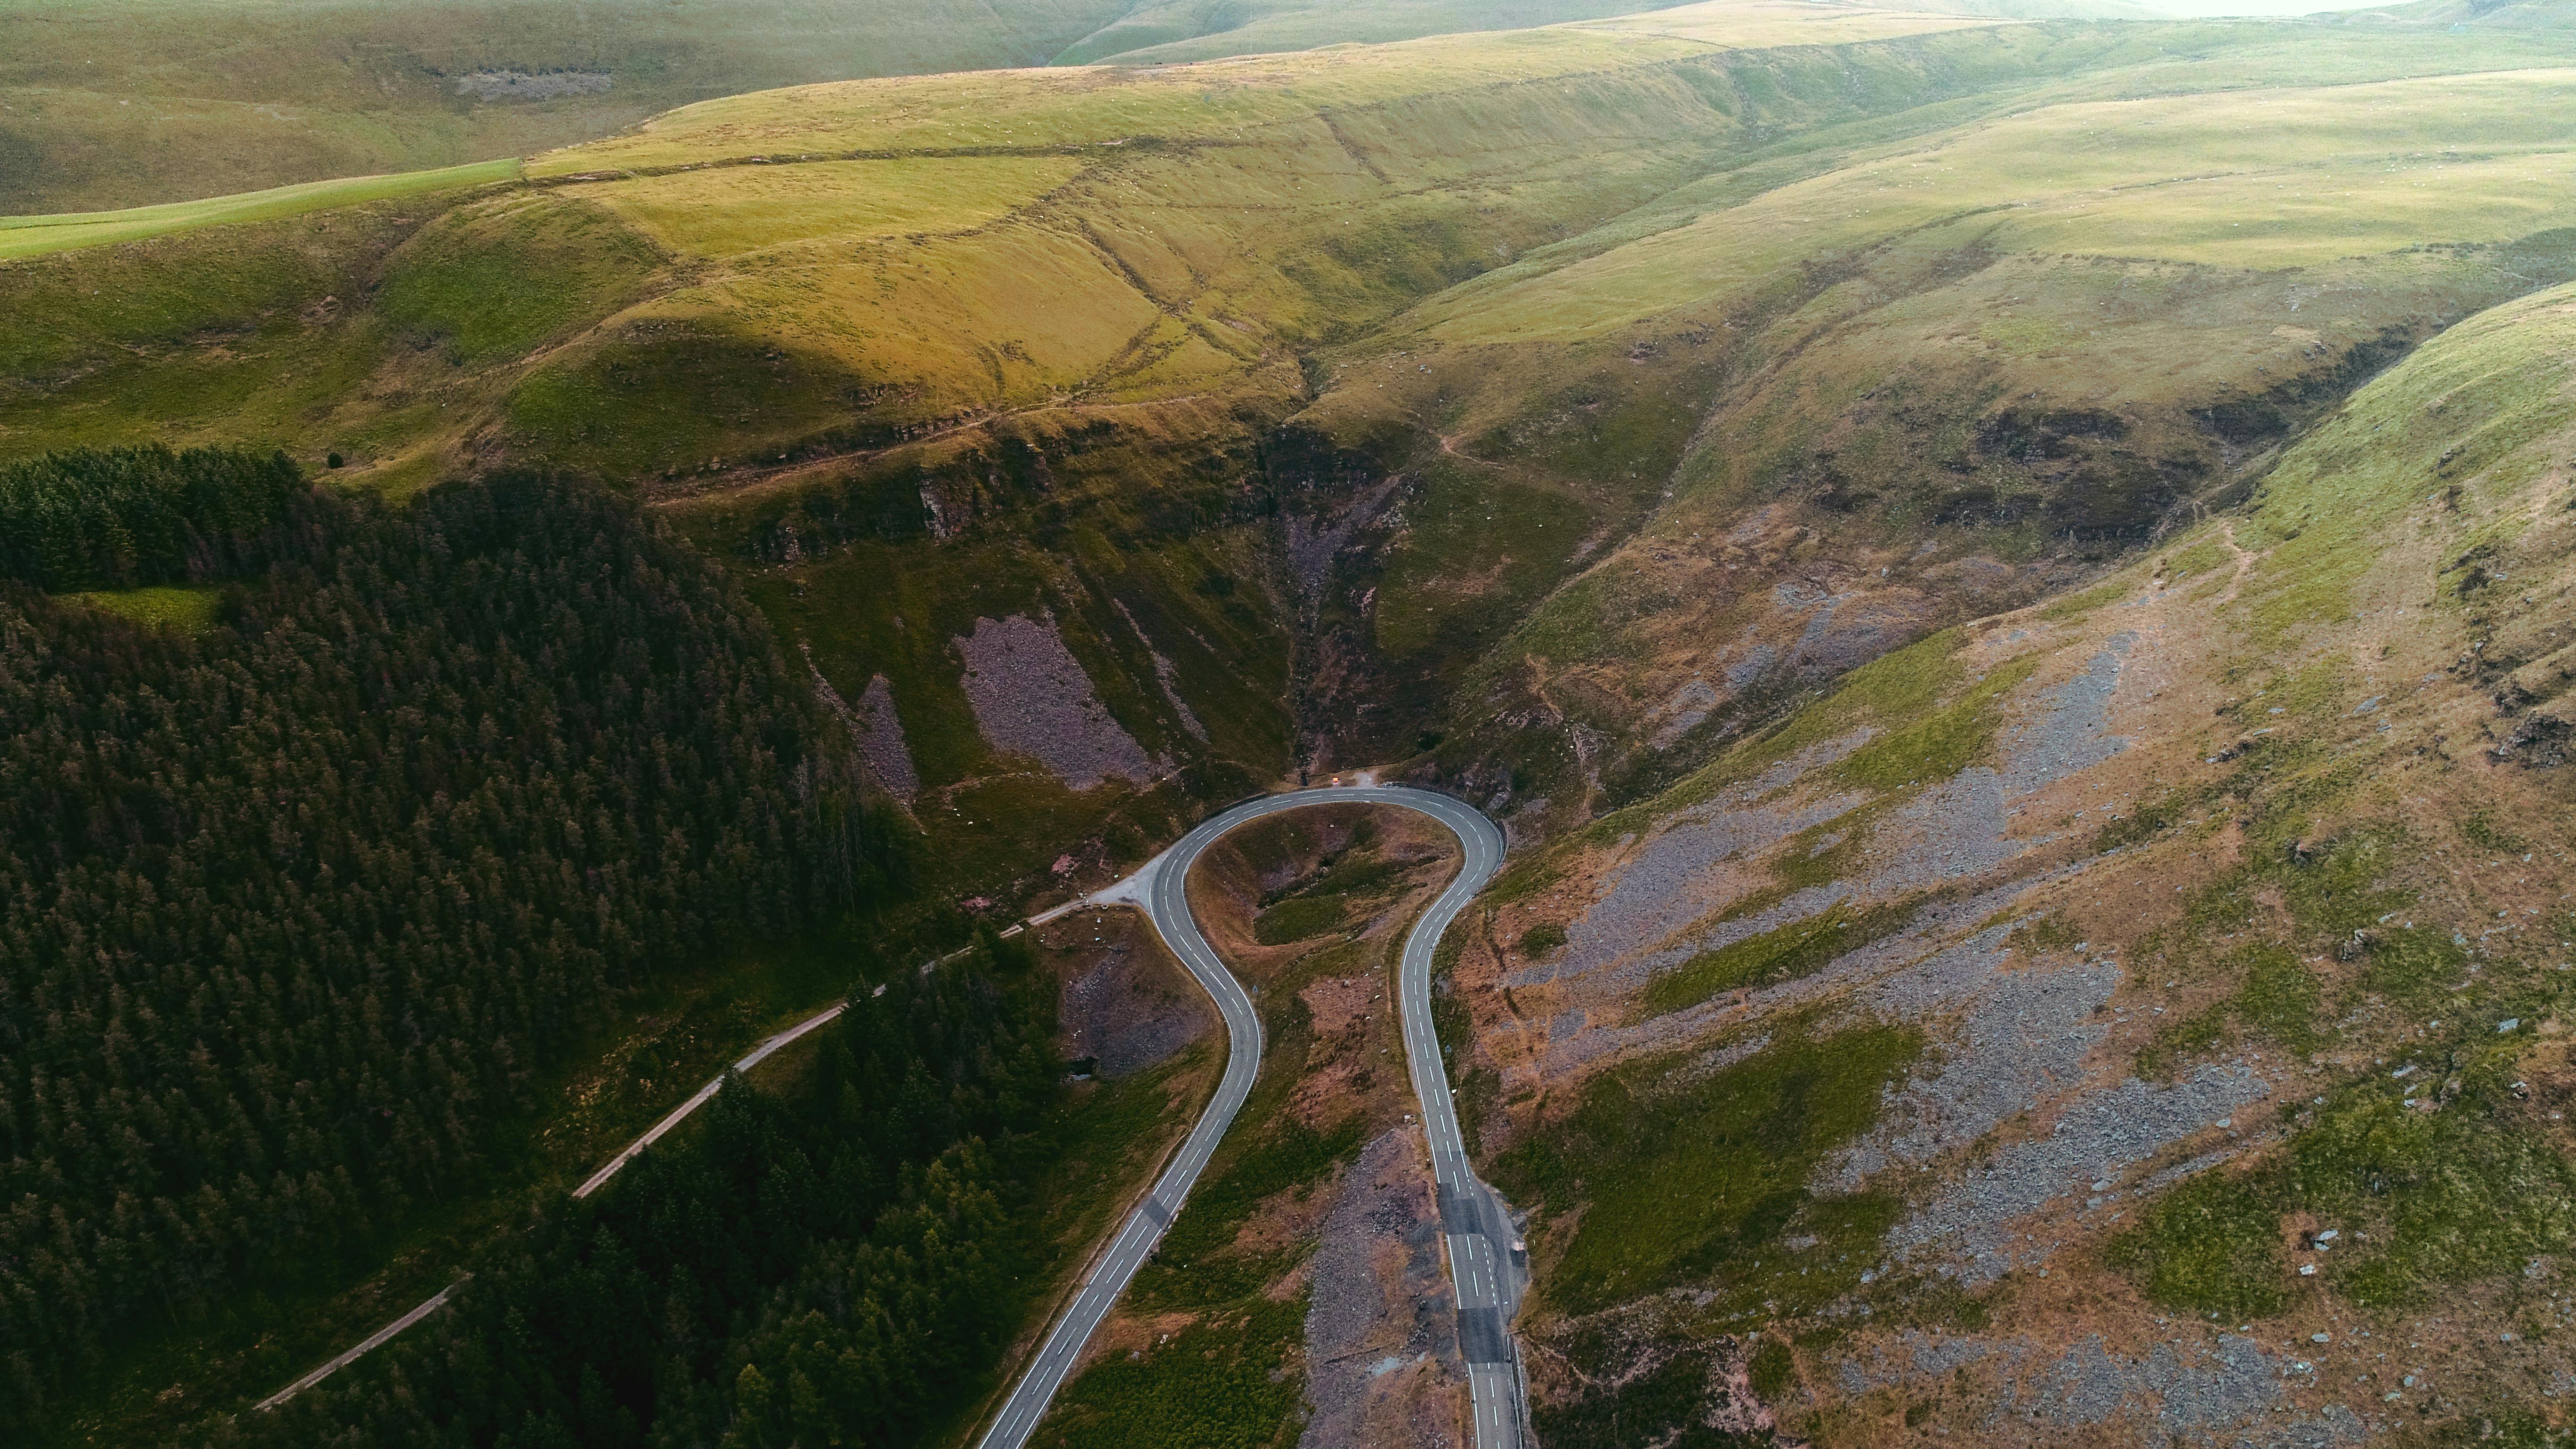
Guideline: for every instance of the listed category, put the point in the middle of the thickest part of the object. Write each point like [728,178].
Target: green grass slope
[950,246]
[29,236]
[1053,318]
[116,104]
[1617,418]
[1932,376]
[1187,30]
[108,104]
[2242,1012]
[1727,266]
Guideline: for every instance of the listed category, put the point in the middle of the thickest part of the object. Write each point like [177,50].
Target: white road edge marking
[1158,888]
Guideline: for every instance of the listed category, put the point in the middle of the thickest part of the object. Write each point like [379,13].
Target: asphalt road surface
[1487,1274]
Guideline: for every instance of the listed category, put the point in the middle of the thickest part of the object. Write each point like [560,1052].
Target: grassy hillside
[1976,359]
[2007,576]
[28,236]
[1054,318]
[1552,285]
[106,105]
[1242,205]
[1185,30]
[110,105]
[2227,898]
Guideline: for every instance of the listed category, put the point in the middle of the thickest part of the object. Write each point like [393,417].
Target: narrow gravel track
[598,1180]
[1487,1274]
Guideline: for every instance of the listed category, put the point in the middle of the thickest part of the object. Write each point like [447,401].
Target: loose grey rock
[881,739]
[1757,661]
[1689,705]
[520,85]
[2185,1390]
[1165,673]
[874,725]
[2026,1038]
[1665,887]
[1032,698]
[2099,1134]
[1361,1328]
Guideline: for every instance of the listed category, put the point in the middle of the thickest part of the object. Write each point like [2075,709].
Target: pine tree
[292,909]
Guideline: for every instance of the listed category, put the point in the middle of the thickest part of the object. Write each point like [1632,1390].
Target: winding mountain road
[1487,1274]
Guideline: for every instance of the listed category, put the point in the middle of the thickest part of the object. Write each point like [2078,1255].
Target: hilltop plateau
[108,103]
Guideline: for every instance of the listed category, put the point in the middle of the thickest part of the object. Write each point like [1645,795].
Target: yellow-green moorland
[28,236]
[1824,272]
[119,103]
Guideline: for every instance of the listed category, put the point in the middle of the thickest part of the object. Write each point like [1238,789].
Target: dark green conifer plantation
[115,518]
[292,908]
[838,1263]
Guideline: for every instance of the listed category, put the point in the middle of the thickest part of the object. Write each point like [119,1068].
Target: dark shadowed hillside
[299,899]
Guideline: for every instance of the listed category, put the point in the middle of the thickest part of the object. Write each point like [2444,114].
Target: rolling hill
[2004,575]
[119,104]
[783,317]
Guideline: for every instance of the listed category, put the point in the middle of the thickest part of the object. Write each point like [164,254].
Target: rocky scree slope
[1848,399]
[2138,1016]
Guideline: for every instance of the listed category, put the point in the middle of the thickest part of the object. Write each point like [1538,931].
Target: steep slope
[2137,1013]
[1287,394]
[1052,319]
[1943,375]
[1851,488]
[961,243]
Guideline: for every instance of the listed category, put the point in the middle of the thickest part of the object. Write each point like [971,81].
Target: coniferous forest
[294,907]
[117,517]
[836,1263]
